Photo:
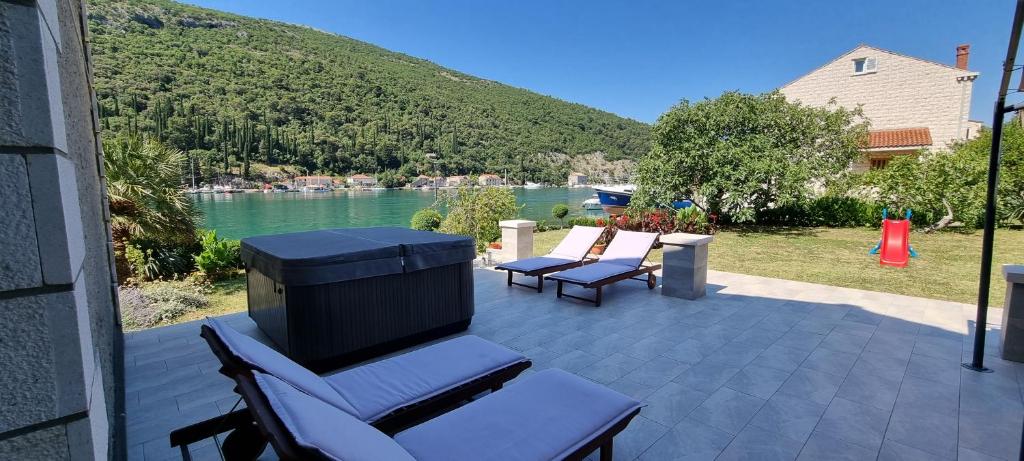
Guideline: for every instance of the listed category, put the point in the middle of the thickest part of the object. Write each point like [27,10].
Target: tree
[476,212]
[145,194]
[742,153]
[559,212]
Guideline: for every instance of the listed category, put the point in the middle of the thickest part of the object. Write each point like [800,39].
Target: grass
[947,266]
[226,296]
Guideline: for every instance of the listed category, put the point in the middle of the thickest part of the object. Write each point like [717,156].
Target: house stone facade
[900,95]
[61,348]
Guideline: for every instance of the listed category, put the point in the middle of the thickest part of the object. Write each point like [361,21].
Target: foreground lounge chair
[623,259]
[568,254]
[548,416]
[390,394]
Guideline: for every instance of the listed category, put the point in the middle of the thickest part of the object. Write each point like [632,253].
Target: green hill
[233,90]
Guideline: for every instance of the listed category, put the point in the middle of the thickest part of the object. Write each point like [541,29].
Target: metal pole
[984,279]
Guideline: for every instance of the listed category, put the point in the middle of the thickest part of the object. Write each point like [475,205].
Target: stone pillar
[58,320]
[1012,334]
[516,239]
[684,265]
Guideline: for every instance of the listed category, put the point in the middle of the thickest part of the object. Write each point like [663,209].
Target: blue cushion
[379,388]
[546,416]
[318,426]
[532,264]
[591,273]
[261,357]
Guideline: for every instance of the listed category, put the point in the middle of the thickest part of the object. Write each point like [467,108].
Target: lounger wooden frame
[273,430]
[652,281]
[241,421]
[540,273]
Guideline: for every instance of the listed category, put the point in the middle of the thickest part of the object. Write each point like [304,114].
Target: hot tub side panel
[267,307]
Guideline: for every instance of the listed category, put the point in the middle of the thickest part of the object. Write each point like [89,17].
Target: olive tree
[740,153]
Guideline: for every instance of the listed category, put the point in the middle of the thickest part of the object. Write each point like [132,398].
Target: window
[864,66]
[879,163]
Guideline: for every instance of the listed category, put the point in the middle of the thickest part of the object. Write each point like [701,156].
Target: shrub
[152,260]
[827,211]
[218,257]
[583,221]
[427,219]
[476,212]
[155,302]
[559,212]
[693,220]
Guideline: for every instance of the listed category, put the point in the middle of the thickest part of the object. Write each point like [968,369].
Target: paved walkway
[759,369]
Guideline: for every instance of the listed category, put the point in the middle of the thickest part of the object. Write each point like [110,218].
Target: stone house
[420,181]
[317,180]
[361,180]
[577,179]
[488,179]
[456,181]
[912,103]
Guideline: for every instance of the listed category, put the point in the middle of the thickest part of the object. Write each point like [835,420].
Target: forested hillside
[232,91]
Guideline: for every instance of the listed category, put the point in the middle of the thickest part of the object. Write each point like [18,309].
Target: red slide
[895,246]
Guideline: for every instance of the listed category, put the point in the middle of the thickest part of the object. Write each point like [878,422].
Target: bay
[242,215]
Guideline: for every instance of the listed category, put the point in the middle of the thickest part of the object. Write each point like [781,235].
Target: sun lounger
[623,259]
[551,415]
[390,394]
[568,254]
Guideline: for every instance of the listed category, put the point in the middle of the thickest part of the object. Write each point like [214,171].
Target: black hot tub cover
[335,255]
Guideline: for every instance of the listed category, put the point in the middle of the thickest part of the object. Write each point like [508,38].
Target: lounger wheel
[652,281]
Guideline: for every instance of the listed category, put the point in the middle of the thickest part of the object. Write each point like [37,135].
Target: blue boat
[615,199]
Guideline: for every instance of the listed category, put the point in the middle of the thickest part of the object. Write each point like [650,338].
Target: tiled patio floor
[759,369]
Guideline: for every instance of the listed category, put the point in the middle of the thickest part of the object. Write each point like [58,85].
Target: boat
[315,188]
[532,185]
[592,203]
[615,199]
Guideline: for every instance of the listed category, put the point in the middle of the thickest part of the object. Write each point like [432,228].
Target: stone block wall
[60,332]
[904,92]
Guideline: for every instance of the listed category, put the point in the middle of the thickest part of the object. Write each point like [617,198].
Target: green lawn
[947,267]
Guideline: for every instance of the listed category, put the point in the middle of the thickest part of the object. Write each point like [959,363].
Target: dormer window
[864,66]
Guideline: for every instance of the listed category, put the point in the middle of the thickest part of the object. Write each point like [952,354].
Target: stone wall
[61,334]
[903,92]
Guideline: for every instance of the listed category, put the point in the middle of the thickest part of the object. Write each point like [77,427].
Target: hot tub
[333,297]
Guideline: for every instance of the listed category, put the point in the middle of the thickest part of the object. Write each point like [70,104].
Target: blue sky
[638,58]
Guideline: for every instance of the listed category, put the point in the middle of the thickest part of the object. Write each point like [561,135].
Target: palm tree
[145,194]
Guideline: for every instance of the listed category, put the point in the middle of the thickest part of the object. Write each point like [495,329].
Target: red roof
[361,176]
[900,137]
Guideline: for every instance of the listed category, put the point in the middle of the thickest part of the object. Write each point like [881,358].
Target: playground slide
[895,244]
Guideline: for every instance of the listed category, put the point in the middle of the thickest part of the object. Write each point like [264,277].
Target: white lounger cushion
[629,248]
[577,243]
[318,426]
[548,415]
[379,388]
[374,390]
[261,357]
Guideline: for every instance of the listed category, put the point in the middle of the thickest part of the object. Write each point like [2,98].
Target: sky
[638,58]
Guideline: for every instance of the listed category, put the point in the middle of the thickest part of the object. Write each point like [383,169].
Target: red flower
[600,222]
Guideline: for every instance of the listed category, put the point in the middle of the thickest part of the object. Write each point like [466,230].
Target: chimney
[962,52]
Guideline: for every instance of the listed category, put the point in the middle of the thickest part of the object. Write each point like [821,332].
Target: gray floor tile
[792,417]
[855,423]
[611,368]
[802,340]
[688,441]
[689,351]
[781,358]
[755,444]
[895,451]
[648,348]
[869,389]
[758,381]
[932,432]
[632,389]
[824,447]
[574,361]
[828,361]
[657,372]
[812,385]
[844,342]
[921,394]
[706,376]
[727,410]
[637,437]
[736,353]
[672,402]
[942,369]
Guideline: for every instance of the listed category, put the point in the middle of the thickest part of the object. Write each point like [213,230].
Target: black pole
[985,277]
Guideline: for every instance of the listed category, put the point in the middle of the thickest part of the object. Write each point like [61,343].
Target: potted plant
[494,245]
[606,236]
